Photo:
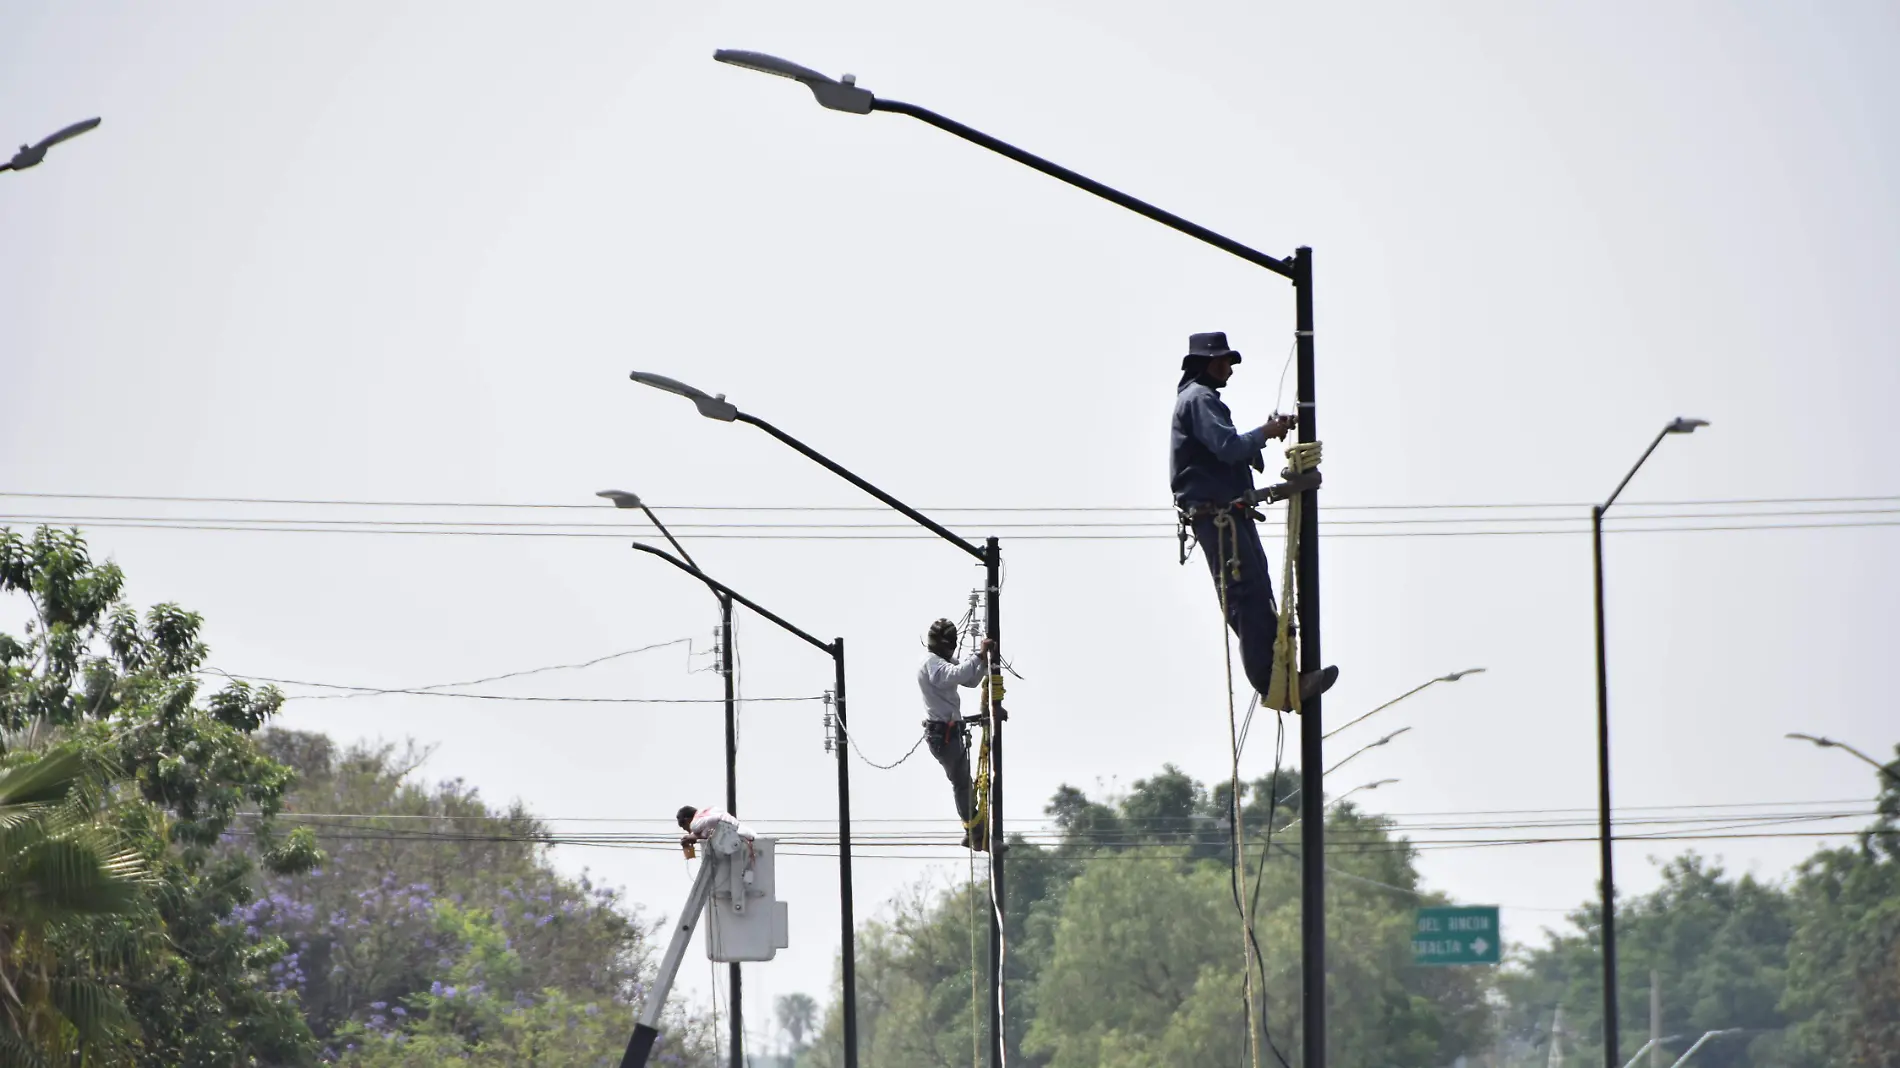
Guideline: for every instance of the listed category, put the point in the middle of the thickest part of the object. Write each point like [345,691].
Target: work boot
[1312,684]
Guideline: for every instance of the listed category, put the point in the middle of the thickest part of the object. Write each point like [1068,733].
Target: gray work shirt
[939,679]
[1209,462]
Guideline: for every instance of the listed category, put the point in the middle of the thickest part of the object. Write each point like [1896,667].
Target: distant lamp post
[31,155]
[1706,1035]
[834,649]
[991,554]
[1829,743]
[1362,786]
[1453,677]
[623,499]
[1611,1027]
[1369,745]
[728,656]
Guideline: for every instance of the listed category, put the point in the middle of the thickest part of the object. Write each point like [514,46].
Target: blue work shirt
[1210,461]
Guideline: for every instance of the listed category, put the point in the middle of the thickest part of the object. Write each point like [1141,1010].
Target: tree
[59,867]
[125,689]
[1809,968]
[797,1016]
[1125,948]
[1844,957]
[437,930]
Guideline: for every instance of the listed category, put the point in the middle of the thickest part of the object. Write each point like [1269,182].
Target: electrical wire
[596,507]
[897,532]
[365,691]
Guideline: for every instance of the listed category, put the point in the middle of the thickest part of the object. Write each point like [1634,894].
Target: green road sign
[1459,935]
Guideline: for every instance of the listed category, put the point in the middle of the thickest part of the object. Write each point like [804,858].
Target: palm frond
[48,780]
[17,1052]
[95,1010]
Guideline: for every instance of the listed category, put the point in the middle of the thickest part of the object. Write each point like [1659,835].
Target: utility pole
[726,659]
[993,628]
[1312,726]
[1556,1058]
[1655,1019]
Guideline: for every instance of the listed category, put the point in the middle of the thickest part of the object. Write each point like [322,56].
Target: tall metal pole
[1312,727]
[1611,1058]
[835,649]
[993,629]
[850,952]
[726,660]
[1655,1019]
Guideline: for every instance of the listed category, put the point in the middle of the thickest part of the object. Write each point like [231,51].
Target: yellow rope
[1285,685]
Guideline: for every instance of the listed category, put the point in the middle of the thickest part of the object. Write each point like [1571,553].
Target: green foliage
[124,689]
[1126,948]
[1844,958]
[437,931]
[1810,969]
[60,867]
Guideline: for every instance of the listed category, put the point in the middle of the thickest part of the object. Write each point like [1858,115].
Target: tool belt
[949,729]
[1186,515]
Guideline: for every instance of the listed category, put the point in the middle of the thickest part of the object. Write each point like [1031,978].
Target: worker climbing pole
[947,731]
[1211,475]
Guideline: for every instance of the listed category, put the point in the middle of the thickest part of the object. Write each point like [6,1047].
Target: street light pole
[1605,858]
[1453,677]
[847,96]
[727,657]
[835,649]
[717,407]
[1888,770]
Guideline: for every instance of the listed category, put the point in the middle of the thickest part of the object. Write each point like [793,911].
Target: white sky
[410,251]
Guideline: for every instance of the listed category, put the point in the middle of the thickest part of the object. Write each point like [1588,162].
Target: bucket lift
[745,922]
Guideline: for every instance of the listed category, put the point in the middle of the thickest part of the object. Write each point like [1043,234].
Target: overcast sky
[409,252]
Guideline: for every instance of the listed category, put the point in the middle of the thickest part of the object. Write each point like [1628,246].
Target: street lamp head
[834,93]
[712,407]
[1684,425]
[1825,743]
[1456,675]
[31,155]
[621,498]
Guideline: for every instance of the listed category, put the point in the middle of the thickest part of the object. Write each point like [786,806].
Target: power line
[1148,851]
[345,502]
[371,527]
[366,691]
[369,691]
[1397,820]
[622,528]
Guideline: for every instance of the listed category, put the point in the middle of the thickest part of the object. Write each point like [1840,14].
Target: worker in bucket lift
[720,830]
[1211,473]
[944,729]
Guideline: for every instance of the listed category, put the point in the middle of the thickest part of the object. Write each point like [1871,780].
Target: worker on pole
[944,730]
[1211,473]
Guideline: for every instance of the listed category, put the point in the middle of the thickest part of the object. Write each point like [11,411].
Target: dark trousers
[1251,610]
[950,744]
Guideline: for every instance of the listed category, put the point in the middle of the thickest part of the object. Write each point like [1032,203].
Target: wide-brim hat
[1208,346]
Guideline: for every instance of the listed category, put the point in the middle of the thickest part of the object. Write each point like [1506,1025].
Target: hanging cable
[1227,552]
